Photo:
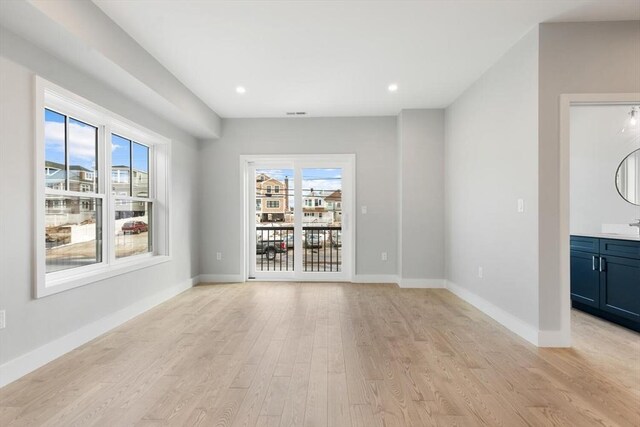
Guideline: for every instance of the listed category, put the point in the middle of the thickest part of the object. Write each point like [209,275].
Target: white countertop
[609,236]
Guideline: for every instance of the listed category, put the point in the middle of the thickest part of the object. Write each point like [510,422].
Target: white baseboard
[422,283]
[507,320]
[375,278]
[22,365]
[220,278]
[554,338]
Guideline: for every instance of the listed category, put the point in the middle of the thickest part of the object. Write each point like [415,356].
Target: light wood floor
[284,354]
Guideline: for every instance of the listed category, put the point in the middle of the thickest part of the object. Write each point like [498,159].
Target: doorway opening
[599,182]
[298,212]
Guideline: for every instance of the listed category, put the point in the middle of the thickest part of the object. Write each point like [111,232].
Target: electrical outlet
[383,256]
[520,205]
[3,319]
[480,272]
[364,210]
[219,256]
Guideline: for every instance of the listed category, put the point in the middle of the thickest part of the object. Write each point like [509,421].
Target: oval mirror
[628,178]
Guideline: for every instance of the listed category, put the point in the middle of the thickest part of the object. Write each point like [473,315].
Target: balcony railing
[321,249]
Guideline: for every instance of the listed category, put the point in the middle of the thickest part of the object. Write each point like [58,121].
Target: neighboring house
[81,179]
[63,210]
[334,204]
[314,209]
[271,198]
[122,183]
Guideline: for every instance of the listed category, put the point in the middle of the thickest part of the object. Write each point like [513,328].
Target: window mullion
[151,161]
[66,153]
[131,167]
[110,243]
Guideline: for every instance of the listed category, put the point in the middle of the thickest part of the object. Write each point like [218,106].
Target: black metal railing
[321,249]
[274,249]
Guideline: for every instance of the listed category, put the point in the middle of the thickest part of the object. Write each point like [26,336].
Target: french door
[298,217]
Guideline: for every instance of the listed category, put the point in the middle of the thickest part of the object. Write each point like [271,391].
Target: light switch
[520,205]
[364,210]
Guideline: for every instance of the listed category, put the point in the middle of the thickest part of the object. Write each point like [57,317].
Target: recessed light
[241,90]
[393,87]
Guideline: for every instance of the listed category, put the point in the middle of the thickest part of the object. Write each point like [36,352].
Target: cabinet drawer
[585,244]
[620,248]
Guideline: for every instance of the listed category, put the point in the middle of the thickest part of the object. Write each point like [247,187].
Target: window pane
[322,219]
[140,170]
[73,232]
[133,228]
[83,148]
[55,150]
[120,165]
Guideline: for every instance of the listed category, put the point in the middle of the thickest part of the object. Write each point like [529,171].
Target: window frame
[58,99]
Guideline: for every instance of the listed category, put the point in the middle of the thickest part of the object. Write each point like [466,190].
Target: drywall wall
[491,161]
[598,145]
[372,140]
[32,323]
[421,197]
[595,57]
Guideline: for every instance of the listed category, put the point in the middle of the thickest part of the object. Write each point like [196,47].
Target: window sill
[51,287]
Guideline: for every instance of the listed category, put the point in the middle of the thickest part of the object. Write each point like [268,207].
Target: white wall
[421,197]
[33,323]
[373,140]
[595,57]
[597,148]
[491,161]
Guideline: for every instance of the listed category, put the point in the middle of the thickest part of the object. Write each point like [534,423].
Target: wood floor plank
[338,411]
[316,407]
[330,354]
[296,398]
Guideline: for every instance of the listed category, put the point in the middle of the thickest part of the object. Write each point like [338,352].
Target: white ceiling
[336,58]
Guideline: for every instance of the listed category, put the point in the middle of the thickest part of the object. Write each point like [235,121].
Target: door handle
[593,263]
[603,264]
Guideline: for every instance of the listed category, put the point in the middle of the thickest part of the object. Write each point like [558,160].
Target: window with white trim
[103,189]
[273,204]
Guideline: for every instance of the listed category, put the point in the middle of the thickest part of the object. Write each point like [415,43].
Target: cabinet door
[585,278]
[620,287]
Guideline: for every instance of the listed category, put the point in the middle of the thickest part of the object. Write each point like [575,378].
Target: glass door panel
[274,221]
[322,219]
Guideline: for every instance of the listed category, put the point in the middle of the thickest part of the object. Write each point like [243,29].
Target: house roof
[266,178]
[49,164]
[335,196]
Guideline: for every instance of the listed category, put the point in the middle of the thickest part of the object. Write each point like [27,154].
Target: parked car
[313,241]
[289,241]
[134,227]
[335,239]
[270,247]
